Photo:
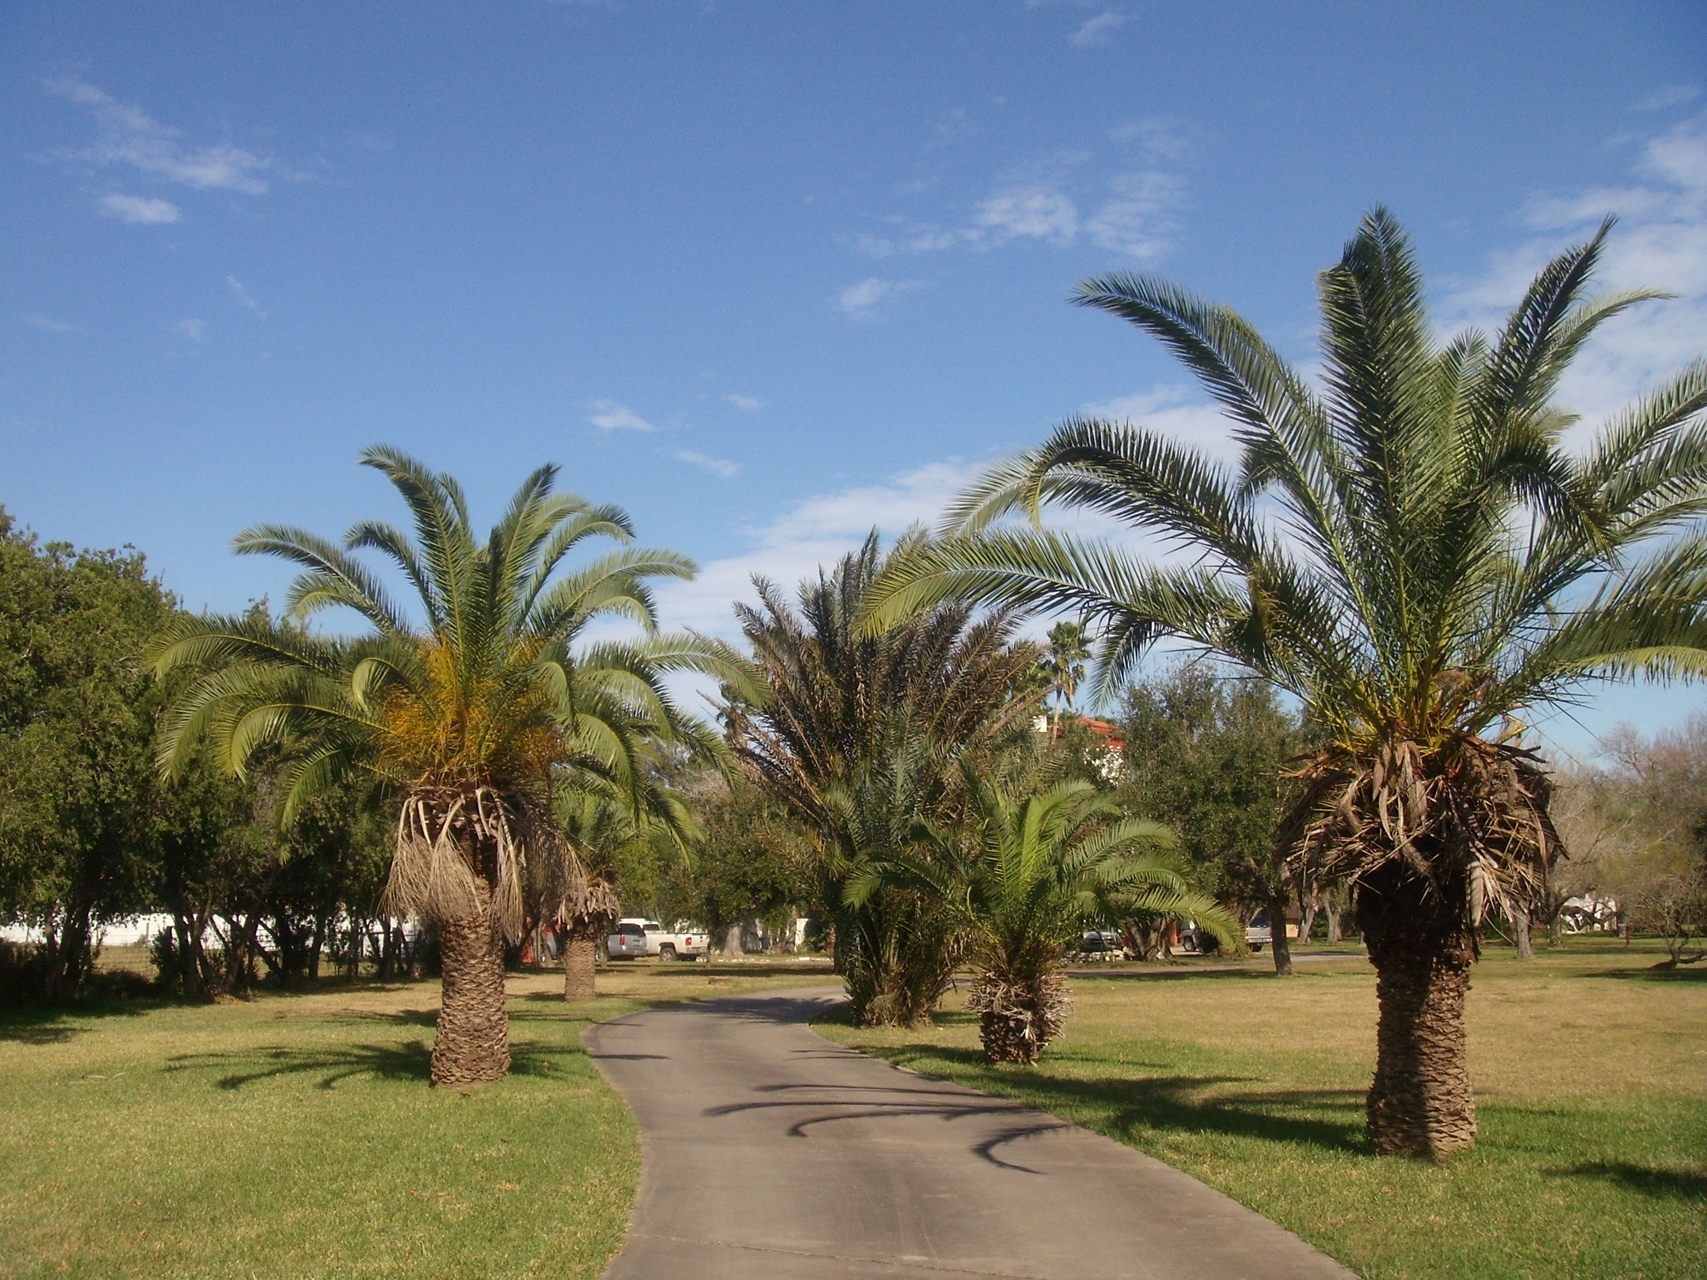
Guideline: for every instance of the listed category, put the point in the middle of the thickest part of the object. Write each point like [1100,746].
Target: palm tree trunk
[1018,1017]
[1277,934]
[1520,928]
[473,1041]
[580,959]
[1420,1102]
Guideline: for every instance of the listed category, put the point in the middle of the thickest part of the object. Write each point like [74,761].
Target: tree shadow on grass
[1691,973]
[57,1025]
[408,1061]
[1130,1107]
[1661,1184]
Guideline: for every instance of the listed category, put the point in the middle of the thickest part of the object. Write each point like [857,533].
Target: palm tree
[469,714]
[869,727]
[1412,552]
[1064,660]
[1023,876]
[600,822]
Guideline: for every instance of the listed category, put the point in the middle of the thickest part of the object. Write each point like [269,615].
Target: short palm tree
[1414,553]
[469,714]
[600,822]
[1022,876]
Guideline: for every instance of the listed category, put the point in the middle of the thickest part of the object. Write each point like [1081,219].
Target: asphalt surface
[769,1152]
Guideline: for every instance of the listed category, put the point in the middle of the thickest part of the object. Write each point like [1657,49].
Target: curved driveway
[769,1152]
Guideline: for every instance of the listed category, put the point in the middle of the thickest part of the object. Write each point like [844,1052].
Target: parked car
[1102,943]
[1258,933]
[636,937]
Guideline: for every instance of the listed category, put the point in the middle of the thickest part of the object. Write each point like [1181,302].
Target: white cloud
[717,466]
[1033,210]
[143,210]
[860,300]
[1156,137]
[125,135]
[747,403]
[243,297]
[812,533]
[608,415]
[1171,410]
[1098,30]
[52,325]
[194,330]
[1659,242]
[1673,95]
[1132,213]
[1138,218]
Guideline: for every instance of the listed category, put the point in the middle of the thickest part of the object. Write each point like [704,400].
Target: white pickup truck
[635,937]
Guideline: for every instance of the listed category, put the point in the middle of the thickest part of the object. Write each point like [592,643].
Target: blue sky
[766,274]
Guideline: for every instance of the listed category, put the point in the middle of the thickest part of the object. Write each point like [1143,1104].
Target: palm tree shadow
[1660,1184]
[1329,1119]
[409,1061]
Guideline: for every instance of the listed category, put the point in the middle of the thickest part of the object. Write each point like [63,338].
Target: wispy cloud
[810,533]
[243,297]
[1660,241]
[127,136]
[1173,410]
[861,300]
[194,330]
[717,466]
[608,415]
[1673,95]
[142,210]
[1098,30]
[51,325]
[1131,211]
[746,403]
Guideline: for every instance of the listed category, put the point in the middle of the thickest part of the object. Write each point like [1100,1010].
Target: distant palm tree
[600,822]
[470,716]
[857,737]
[1023,876]
[1414,554]
[1064,661]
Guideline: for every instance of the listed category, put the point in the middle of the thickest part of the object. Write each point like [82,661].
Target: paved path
[771,1154]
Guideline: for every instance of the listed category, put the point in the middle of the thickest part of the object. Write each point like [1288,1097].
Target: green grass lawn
[295,1136]
[1590,1068]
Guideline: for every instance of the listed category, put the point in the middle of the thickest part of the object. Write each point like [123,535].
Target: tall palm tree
[469,713]
[1414,553]
[868,727]
[1022,875]
[1064,660]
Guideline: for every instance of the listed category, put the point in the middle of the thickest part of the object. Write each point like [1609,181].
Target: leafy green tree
[749,864]
[857,736]
[1205,754]
[1022,875]
[1414,554]
[471,713]
[77,794]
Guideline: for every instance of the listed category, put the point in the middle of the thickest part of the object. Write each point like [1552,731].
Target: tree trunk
[1520,929]
[1306,918]
[580,958]
[473,1041]
[1333,911]
[1277,934]
[67,947]
[1420,1102]
[732,940]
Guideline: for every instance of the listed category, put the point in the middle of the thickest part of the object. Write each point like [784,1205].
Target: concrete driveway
[769,1152]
